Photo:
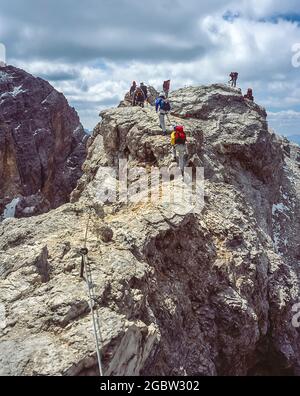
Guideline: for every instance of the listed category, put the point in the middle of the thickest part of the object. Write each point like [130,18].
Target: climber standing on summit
[233,79]
[139,97]
[144,89]
[163,107]
[132,89]
[178,141]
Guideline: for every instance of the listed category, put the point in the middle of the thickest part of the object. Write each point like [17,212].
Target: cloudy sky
[91,50]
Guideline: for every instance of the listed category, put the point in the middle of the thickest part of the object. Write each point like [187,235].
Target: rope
[85,268]
[96,320]
[87,230]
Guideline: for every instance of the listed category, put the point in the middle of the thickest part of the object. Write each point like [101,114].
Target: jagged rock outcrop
[42,145]
[178,291]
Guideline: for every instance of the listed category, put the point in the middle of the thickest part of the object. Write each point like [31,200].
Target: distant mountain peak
[42,144]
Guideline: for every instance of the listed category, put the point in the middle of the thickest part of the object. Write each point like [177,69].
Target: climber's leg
[174,153]
[163,122]
[181,149]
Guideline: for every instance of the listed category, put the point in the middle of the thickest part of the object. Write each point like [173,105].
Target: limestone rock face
[42,144]
[179,292]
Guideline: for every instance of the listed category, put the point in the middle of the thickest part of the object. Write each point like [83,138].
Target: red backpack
[139,95]
[180,136]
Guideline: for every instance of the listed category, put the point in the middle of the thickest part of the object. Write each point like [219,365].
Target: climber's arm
[157,104]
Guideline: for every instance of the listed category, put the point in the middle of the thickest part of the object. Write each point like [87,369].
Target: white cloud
[92,54]
[288,114]
[286,122]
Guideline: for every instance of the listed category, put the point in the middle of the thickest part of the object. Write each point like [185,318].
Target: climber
[144,89]
[138,97]
[166,88]
[249,95]
[163,107]
[178,142]
[133,88]
[233,79]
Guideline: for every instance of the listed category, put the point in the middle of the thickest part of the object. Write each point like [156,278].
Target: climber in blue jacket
[163,106]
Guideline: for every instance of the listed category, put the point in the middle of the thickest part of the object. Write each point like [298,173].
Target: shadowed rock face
[42,144]
[177,292]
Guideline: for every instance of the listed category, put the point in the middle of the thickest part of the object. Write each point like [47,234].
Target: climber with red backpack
[162,105]
[178,141]
[249,95]
[139,97]
[233,79]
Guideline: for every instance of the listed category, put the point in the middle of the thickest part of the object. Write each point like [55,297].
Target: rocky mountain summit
[178,292]
[42,145]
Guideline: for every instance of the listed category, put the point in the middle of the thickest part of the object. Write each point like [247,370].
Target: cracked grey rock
[207,293]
